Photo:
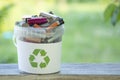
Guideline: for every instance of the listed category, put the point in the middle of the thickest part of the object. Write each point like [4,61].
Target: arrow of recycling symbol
[43,54]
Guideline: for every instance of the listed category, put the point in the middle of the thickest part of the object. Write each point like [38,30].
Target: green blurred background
[87,38]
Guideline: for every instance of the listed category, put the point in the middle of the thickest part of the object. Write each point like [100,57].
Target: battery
[38,21]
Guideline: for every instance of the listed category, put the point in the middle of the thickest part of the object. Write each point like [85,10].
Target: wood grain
[68,72]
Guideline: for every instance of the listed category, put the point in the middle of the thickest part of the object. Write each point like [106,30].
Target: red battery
[38,21]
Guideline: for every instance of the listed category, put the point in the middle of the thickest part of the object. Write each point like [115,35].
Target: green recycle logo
[42,53]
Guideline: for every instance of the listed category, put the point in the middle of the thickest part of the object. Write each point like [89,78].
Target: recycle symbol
[42,64]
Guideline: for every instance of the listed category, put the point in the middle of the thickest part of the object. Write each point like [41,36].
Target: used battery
[44,14]
[38,21]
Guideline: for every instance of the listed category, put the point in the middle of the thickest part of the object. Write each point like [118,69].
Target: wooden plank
[68,72]
[77,69]
[62,77]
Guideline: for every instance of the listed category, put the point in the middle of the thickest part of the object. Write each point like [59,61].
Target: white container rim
[38,43]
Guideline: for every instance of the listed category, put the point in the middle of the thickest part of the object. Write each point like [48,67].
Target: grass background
[87,37]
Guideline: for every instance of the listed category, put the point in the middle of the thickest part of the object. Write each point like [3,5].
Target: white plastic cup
[38,58]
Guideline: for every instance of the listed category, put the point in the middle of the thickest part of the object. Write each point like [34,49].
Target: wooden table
[68,72]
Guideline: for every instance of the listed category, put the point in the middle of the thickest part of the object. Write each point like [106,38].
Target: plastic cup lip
[20,27]
[18,40]
[15,41]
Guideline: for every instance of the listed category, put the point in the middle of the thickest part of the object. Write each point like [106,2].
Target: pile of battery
[45,28]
